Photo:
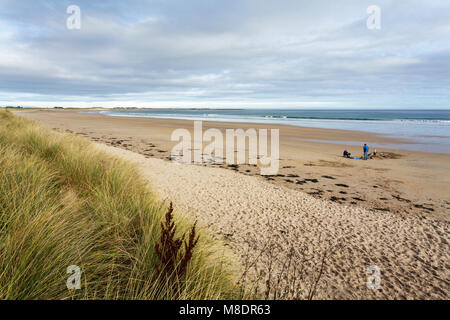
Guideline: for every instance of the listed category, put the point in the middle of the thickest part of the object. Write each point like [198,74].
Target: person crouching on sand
[366,151]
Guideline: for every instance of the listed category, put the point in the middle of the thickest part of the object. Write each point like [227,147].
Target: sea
[417,130]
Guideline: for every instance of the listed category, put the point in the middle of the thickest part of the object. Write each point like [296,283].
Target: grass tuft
[63,203]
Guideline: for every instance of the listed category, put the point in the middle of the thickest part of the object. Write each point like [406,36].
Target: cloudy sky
[228,53]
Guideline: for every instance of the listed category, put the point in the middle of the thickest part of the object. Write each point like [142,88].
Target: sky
[226,54]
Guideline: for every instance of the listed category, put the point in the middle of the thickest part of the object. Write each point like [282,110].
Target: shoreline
[420,142]
[324,133]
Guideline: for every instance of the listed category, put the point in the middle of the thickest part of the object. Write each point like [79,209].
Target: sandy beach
[392,212]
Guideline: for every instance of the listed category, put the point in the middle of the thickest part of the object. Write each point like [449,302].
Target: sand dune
[281,234]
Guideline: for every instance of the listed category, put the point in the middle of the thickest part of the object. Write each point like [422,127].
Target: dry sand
[276,228]
[249,214]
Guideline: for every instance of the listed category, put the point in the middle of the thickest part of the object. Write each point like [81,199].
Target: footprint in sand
[337,199]
[400,198]
[381,209]
[419,206]
[341,185]
[307,180]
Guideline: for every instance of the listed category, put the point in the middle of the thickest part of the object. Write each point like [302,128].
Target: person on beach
[366,151]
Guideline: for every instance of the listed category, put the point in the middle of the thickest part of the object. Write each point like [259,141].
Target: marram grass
[63,203]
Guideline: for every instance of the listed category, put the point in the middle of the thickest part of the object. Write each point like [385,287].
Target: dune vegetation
[64,203]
